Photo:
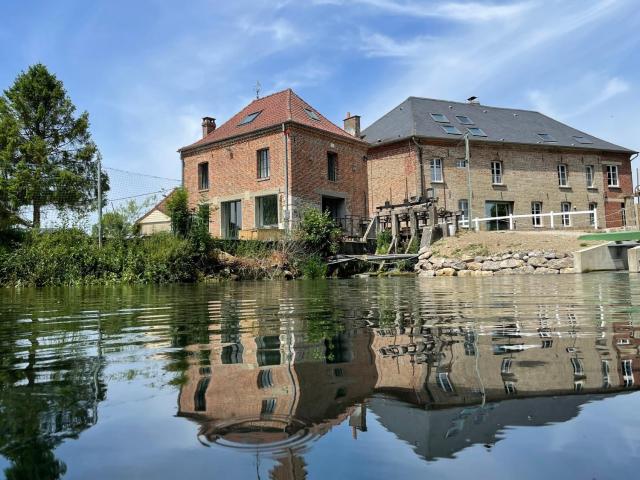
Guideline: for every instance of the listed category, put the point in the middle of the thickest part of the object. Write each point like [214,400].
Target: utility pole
[99,157]
[468,160]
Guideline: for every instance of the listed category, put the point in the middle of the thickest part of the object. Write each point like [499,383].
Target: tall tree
[47,156]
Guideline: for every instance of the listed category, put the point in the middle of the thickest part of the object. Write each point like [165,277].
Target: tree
[47,156]
[178,208]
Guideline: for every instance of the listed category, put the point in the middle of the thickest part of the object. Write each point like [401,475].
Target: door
[498,209]
[231,219]
[335,207]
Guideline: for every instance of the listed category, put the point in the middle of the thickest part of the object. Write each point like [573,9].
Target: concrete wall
[600,257]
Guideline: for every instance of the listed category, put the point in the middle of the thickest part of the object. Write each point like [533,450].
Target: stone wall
[511,263]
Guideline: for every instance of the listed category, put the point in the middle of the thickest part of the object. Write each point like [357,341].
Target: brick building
[279,154]
[521,162]
[267,162]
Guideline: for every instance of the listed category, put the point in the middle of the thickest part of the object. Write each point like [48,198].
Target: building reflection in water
[438,379]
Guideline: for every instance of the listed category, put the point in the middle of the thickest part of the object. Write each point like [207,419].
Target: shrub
[313,266]
[178,209]
[383,241]
[318,232]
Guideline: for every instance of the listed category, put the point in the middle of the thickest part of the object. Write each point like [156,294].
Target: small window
[547,137]
[563,177]
[463,206]
[547,344]
[311,114]
[496,172]
[263,163]
[578,368]
[444,383]
[464,120]
[588,172]
[451,130]
[332,166]
[200,396]
[265,379]
[581,139]
[268,406]
[461,163]
[267,211]
[592,215]
[436,170]
[623,215]
[505,368]
[249,118]
[477,132]
[510,388]
[612,176]
[439,117]
[203,176]
[536,210]
[565,208]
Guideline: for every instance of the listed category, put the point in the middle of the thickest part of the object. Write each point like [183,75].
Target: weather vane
[258,87]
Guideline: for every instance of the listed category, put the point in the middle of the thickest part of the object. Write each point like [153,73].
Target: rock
[437,262]
[480,259]
[234,277]
[424,250]
[459,266]
[287,275]
[505,271]
[506,256]
[496,258]
[445,272]
[465,273]
[560,263]
[427,273]
[537,261]
[517,256]
[426,266]
[549,255]
[474,266]
[466,258]
[544,270]
[425,255]
[525,257]
[561,255]
[491,266]
[511,263]
[481,273]
[535,253]
[568,270]
[524,269]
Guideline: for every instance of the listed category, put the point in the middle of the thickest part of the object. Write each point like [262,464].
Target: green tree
[178,208]
[318,232]
[47,156]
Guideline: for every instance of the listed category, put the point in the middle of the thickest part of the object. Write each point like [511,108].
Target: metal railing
[510,220]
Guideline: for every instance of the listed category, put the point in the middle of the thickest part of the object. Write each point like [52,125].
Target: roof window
[581,139]
[451,130]
[464,120]
[249,118]
[311,114]
[477,132]
[439,117]
[547,137]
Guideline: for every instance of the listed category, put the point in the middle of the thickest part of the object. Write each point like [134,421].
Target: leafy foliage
[47,156]
[313,266]
[178,208]
[318,232]
[383,241]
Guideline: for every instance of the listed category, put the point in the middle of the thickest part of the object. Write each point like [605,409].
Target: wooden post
[477,224]
[511,221]
[595,218]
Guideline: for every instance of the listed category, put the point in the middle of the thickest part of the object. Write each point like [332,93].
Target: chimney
[208,125]
[473,100]
[352,125]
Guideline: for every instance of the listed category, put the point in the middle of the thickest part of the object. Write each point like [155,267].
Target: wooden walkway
[390,257]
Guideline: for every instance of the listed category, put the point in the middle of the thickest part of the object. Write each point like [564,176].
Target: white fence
[538,220]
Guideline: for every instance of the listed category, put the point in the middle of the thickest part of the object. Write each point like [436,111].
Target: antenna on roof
[258,88]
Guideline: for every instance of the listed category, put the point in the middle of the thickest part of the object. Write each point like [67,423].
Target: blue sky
[147,71]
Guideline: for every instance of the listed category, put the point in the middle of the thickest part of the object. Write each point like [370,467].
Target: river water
[501,377]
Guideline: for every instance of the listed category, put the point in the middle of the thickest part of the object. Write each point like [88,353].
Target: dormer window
[546,137]
[249,118]
[311,114]
[439,117]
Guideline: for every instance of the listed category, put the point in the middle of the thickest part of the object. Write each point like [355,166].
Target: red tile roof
[275,109]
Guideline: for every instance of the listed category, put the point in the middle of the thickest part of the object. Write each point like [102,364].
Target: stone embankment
[510,263]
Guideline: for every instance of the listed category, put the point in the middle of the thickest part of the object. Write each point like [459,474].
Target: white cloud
[379,45]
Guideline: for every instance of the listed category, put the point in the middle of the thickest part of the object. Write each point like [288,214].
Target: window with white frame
[463,206]
[563,175]
[588,173]
[627,373]
[444,383]
[496,172]
[461,163]
[436,170]
[267,211]
[536,211]
[505,368]
[592,217]
[623,215]
[578,367]
[612,176]
[565,208]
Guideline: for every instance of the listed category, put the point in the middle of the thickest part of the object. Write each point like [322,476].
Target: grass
[612,237]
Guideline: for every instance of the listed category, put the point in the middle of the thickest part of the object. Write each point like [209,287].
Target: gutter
[420,167]
[286,177]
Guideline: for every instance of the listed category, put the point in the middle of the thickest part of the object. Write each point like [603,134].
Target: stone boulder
[474,265]
[536,261]
[560,263]
[445,272]
[511,263]
[491,266]
[545,270]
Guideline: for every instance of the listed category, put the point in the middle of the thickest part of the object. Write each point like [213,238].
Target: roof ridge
[471,104]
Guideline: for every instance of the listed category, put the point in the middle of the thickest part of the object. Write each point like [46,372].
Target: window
[464,120]
[436,170]
[505,368]
[623,215]
[563,176]
[203,176]
[477,132]
[578,368]
[565,208]
[546,137]
[496,172]
[536,210]
[311,114]
[592,216]
[438,117]
[444,383]
[263,163]
[268,406]
[627,373]
[463,206]
[606,379]
[612,176]
[451,130]
[267,211]
[231,354]
[623,341]
[510,388]
[547,344]
[332,166]
[588,173]
[265,379]
[461,163]
[249,118]
[199,398]
[581,139]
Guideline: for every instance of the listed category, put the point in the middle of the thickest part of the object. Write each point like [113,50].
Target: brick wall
[529,174]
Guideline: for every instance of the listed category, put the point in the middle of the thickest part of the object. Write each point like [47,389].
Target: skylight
[439,117]
[581,139]
[311,114]
[464,120]
[249,118]
[546,137]
[450,129]
[477,132]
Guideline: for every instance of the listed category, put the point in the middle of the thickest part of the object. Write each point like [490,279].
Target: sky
[147,71]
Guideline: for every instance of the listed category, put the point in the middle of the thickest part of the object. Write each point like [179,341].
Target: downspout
[420,168]
[286,178]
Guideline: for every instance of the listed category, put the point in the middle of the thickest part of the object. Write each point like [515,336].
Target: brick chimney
[208,125]
[352,125]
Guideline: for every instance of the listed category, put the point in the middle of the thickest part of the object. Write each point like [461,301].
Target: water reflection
[270,369]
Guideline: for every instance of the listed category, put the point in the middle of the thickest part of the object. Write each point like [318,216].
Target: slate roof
[413,118]
[275,109]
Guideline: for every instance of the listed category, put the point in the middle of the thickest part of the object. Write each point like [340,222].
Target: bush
[313,267]
[178,209]
[383,241]
[318,232]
